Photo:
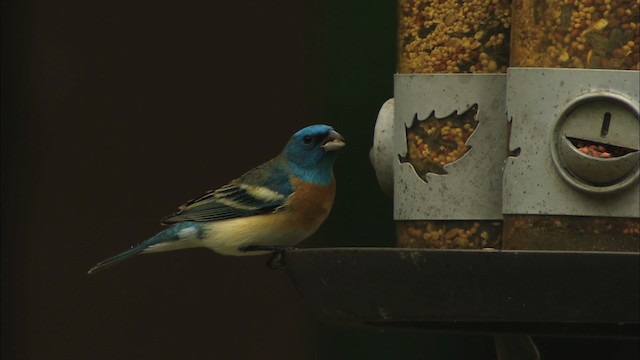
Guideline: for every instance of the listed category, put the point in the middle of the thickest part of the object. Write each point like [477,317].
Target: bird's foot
[276,260]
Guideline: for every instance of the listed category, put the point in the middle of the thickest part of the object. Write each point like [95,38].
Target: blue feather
[259,191]
[170,234]
[306,157]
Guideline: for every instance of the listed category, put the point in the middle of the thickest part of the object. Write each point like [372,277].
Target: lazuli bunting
[277,204]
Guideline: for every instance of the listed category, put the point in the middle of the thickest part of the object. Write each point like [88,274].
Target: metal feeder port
[574,185]
[574,182]
[597,142]
[572,98]
[449,146]
[449,133]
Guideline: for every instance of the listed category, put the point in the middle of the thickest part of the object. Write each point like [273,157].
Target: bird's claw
[276,260]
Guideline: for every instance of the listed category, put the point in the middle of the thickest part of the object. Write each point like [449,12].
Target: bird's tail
[137,249]
[178,236]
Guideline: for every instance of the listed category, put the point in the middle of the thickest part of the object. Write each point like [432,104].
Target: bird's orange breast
[311,203]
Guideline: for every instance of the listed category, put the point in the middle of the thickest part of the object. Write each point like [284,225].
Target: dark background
[115,113]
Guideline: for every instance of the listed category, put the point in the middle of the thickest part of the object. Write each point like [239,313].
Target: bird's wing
[261,190]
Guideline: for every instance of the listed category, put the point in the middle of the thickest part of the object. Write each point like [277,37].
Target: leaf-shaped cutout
[435,142]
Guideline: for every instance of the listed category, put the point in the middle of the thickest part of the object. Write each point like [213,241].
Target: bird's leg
[275,261]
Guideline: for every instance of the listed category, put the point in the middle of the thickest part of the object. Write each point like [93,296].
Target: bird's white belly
[228,236]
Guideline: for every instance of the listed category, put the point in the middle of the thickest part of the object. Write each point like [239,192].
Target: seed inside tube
[435,142]
[449,36]
[449,234]
[575,34]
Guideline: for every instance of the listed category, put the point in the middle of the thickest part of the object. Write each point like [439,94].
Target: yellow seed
[462,241]
[564,57]
[600,24]
[451,233]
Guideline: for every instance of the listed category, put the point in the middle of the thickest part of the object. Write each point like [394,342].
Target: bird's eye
[307,139]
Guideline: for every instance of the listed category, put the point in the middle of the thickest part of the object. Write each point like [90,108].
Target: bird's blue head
[311,153]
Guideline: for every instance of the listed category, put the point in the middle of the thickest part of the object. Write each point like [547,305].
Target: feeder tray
[531,292]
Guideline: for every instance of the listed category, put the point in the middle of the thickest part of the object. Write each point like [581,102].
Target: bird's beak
[334,141]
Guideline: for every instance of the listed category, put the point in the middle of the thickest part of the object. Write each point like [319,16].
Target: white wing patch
[262,193]
[188,233]
[259,193]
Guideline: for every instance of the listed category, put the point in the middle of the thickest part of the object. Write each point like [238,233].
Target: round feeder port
[598,166]
[595,143]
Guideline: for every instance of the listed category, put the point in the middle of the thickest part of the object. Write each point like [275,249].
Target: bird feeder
[478,156]
[449,132]
[572,99]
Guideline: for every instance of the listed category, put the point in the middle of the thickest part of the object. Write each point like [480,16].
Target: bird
[275,205]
